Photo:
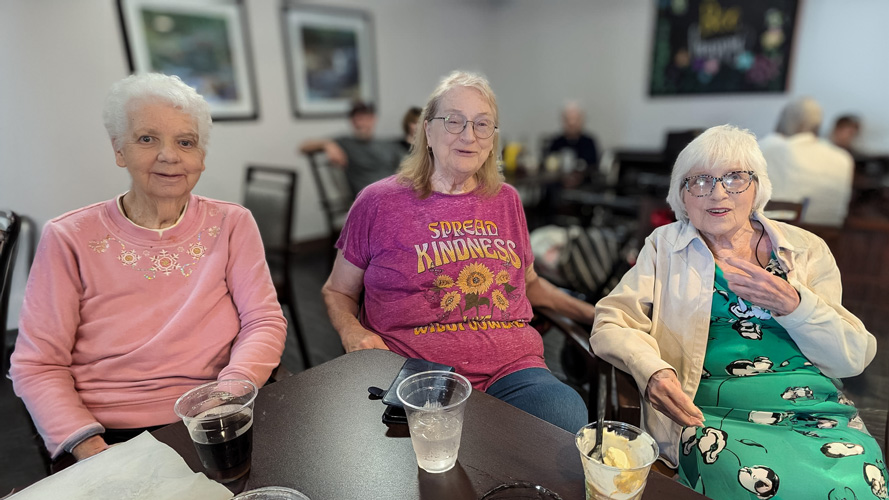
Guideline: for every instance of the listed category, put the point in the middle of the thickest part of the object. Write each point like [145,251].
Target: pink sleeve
[40,366]
[258,347]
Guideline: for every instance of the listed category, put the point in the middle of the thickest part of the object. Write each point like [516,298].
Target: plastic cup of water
[434,402]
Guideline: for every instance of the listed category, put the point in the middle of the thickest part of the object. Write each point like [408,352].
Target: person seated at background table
[409,126]
[441,254]
[845,130]
[573,141]
[365,158]
[574,155]
[133,301]
[733,328]
[804,167]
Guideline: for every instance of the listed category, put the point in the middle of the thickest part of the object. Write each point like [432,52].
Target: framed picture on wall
[203,42]
[330,58]
[722,46]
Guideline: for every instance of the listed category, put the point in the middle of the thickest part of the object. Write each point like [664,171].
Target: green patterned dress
[775,426]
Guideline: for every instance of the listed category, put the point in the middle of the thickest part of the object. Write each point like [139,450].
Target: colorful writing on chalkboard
[722,46]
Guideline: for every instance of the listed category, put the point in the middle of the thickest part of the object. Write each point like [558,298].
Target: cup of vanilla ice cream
[627,455]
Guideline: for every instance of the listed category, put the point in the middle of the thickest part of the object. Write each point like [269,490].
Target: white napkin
[141,468]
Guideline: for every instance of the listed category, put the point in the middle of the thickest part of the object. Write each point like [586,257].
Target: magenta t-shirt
[445,277]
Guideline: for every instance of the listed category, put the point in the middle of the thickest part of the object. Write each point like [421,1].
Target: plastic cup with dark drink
[219,418]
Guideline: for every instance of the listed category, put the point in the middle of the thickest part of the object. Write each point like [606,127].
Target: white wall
[599,53]
[58,58]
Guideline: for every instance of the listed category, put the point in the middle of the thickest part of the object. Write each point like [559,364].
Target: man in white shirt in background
[803,166]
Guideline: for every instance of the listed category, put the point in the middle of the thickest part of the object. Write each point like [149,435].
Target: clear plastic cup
[219,418]
[616,481]
[271,493]
[434,402]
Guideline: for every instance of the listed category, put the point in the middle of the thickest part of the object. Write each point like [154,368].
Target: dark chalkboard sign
[722,46]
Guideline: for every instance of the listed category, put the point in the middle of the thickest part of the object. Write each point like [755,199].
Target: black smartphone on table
[394,413]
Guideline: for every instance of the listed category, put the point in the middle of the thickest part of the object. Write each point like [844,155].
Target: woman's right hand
[359,339]
[665,394]
[89,447]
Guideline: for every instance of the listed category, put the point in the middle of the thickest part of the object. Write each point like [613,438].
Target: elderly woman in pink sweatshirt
[135,300]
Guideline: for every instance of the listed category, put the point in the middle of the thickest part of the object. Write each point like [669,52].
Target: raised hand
[762,288]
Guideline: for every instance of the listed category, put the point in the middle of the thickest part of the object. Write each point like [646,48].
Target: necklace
[756,250]
[123,208]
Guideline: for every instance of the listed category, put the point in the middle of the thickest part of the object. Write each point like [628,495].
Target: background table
[319,432]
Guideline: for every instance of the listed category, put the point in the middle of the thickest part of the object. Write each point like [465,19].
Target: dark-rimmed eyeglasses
[455,124]
[733,182]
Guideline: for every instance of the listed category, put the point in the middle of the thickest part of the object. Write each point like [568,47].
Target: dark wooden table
[319,433]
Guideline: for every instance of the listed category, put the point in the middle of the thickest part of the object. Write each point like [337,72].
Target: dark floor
[21,463]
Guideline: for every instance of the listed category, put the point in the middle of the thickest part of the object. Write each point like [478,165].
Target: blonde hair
[417,168]
[715,148]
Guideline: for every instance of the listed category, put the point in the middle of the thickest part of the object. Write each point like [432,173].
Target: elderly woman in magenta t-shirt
[133,301]
[442,255]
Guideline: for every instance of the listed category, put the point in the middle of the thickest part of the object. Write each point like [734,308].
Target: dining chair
[10,228]
[623,399]
[270,195]
[786,211]
[675,141]
[335,194]
[594,259]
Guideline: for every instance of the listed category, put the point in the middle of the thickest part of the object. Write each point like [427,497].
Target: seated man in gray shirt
[365,159]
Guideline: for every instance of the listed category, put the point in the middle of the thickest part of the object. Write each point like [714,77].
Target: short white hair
[136,90]
[715,149]
[798,116]
[570,106]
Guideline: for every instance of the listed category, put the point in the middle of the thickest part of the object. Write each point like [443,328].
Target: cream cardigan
[659,315]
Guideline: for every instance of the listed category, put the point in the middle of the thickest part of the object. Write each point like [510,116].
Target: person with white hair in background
[574,138]
[805,168]
[133,301]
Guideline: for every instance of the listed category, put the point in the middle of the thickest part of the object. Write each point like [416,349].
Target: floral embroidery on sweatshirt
[164,261]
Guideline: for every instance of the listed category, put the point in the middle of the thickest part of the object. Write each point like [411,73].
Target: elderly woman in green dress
[732,326]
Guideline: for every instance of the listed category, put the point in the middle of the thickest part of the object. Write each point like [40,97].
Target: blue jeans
[540,393]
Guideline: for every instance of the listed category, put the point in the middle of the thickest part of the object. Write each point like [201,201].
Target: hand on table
[359,339]
[89,447]
[762,288]
[665,394]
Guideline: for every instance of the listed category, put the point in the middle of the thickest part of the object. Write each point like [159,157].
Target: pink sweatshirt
[118,321]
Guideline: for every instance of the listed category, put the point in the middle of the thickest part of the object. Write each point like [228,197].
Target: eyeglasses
[733,182]
[455,124]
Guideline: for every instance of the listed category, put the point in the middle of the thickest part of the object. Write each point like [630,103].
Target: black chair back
[10,228]
[786,211]
[335,194]
[594,260]
[675,142]
[270,195]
